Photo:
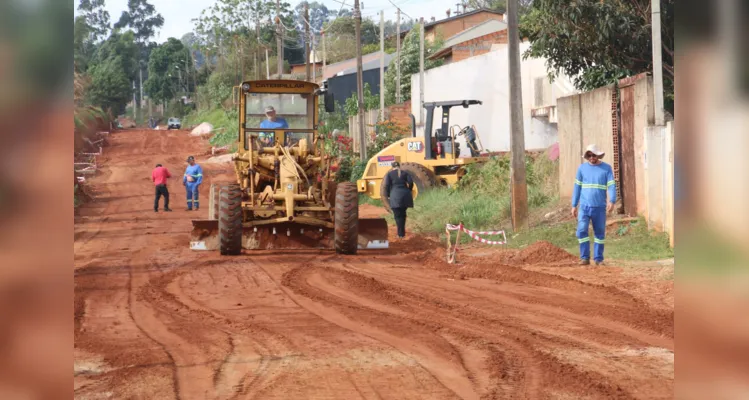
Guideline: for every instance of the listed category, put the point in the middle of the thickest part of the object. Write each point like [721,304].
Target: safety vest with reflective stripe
[592,184]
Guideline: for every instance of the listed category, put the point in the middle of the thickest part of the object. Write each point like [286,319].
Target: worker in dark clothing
[398,186]
[159,177]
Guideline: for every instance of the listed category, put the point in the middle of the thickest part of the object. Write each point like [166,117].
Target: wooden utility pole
[135,104]
[382,65]
[314,60]
[267,64]
[360,83]
[306,41]
[279,40]
[421,74]
[660,118]
[398,62]
[518,184]
[324,60]
[257,48]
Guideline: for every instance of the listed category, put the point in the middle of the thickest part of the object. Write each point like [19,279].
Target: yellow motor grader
[285,195]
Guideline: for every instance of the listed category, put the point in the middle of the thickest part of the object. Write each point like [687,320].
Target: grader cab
[285,195]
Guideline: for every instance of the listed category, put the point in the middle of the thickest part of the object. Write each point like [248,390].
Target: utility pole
[398,63]
[141,85]
[279,40]
[324,60]
[267,65]
[382,65]
[135,103]
[360,84]
[306,41]
[421,75]
[314,60]
[257,47]
[655,16]
[519,188]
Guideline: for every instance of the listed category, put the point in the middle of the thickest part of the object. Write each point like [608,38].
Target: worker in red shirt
[159,176]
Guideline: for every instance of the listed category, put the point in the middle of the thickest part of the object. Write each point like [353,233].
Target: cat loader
[285,195]
[432,160]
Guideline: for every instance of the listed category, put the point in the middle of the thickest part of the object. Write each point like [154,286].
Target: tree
[598,42]
[409,64]
[142,18]
[113,68]
[318,16]
[166,63]
[96,17]
[109,88]
[499,5]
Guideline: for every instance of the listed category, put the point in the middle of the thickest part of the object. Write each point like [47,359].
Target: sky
[179,13]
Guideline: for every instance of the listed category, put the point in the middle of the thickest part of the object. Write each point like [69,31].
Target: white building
[485,78]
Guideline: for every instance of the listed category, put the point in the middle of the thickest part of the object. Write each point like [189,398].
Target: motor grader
[285,195]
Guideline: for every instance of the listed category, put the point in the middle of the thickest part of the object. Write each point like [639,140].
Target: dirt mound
[541,252]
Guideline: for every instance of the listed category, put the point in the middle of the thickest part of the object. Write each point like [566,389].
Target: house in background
[343,84]
[485,77]
[451,26]
[473,41]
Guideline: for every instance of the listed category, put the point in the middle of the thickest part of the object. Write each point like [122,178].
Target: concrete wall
[584,119]
[658,177]
[485,78]
[644,117]
[570,142]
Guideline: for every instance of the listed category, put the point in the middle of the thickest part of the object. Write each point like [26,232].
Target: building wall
[477,46]
[458,25]
[485,78]
[644,117]
[584,119]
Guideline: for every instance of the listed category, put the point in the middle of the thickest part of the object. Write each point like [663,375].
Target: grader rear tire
[424,179]
[230,220]
[346,218]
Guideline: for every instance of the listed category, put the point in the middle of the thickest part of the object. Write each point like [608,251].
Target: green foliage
[141,17]
[371,102]
[598,42]
[95,17]
[164,67]
[216,91]
[409,64]
[225,124]
[110,88]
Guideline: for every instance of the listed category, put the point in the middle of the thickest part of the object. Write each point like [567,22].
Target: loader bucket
[288,235]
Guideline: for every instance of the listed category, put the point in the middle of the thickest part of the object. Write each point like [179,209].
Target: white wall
[485,78]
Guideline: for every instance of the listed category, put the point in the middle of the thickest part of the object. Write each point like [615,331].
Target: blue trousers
[596,215]
[192,195]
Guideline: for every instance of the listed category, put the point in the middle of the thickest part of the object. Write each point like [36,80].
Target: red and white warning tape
[475,235]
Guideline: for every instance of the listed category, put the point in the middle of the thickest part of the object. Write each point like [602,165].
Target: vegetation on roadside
[481,200]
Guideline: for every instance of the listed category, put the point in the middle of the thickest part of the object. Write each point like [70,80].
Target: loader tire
[424,179]
[230,220]
[346,218]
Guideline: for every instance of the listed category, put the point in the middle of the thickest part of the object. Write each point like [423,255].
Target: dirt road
[156,320]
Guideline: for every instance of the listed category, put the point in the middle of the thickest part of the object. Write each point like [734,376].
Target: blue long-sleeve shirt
[591,184]
[196,172]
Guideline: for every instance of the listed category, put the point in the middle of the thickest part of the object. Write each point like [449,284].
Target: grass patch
[630,242]
[225,124]
[364,199]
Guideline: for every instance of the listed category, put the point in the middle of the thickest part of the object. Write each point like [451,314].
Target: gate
[627,145]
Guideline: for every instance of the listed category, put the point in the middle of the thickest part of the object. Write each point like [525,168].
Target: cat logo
[417,147]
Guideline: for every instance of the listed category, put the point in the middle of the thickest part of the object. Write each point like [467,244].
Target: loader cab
[440,142]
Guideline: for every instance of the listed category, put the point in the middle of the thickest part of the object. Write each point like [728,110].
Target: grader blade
[288,235]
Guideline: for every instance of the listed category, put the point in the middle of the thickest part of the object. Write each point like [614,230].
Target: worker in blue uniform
[594,180]
[192,180]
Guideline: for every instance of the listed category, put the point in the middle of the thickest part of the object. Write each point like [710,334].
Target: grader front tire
[346,218]
[230,220]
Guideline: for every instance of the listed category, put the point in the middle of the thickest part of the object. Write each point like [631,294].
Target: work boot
[155,210]
[189,209]
[167,209]
[584,262]
[599,263]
